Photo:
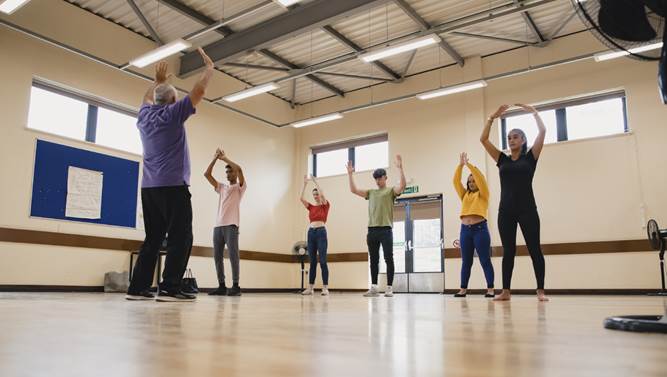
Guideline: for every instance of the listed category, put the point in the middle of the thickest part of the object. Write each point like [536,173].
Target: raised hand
[207,61]
[527,108]
[350,167]
[463,159]
[305,179]
[221,154]
[217,154]
[399,161]
[501,110]
[161,72]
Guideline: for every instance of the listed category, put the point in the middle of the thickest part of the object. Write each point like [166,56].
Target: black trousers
[167,210]
[529,221]
[381,236]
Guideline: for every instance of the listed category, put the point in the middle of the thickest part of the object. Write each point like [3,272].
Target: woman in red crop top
[317,236]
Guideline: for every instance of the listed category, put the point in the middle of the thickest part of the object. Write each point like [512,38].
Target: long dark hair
[524,146]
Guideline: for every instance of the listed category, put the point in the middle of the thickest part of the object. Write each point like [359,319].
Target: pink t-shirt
[230,201]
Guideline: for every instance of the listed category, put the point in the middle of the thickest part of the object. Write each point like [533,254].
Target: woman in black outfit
[517,202]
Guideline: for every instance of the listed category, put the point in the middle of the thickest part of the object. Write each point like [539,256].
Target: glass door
[418,245]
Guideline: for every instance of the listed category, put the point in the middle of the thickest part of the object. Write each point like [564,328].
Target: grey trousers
[226,235]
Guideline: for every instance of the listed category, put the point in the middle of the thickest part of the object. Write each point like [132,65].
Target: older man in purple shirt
[165,196]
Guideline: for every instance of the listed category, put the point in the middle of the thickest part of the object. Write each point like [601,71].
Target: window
[594,116]
[65,113]
[366,154]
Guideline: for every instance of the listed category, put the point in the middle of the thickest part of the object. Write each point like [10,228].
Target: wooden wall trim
[37,237]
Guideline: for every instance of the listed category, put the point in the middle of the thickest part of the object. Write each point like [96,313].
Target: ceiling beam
[296,21]
[423,25]
[256,66]
[491,37]
[477,18]
[532,25]
[349,43]
[227,32]
[145,22]
[352,76]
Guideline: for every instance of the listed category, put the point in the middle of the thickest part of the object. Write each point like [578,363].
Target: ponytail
[524,148]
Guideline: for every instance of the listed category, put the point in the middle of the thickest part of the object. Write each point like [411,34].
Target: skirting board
[90,289]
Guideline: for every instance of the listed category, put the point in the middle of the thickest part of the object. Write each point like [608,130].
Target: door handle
[410,248]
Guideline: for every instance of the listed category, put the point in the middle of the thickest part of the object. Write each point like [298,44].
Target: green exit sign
[411,190]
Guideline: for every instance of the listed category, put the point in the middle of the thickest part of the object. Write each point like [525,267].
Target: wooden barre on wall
[37,237]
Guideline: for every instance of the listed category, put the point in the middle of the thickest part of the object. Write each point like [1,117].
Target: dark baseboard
[50,288]
[590,292]
[90,289]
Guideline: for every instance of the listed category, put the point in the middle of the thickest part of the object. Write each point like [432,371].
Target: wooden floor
[341,335]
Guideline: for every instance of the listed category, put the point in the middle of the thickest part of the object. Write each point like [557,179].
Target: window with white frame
[367,153]
[65,113]
[593,116]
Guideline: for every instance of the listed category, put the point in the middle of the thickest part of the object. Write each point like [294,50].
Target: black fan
[300,249]
[657,238]
[635,28]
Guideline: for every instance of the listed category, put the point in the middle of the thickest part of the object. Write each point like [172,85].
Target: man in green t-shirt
[380,221]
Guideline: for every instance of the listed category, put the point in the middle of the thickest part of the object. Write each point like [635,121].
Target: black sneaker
[221,291]
[141,296]
[234,291]
[166,296]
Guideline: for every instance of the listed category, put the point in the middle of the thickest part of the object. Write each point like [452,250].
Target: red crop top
[318,213]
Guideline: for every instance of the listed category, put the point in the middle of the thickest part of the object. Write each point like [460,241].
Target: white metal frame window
[366,153]
[582,118]
[66,113]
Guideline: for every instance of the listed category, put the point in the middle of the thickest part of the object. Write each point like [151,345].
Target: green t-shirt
[381,207]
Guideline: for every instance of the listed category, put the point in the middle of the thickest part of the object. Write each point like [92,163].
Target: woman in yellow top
[474,230]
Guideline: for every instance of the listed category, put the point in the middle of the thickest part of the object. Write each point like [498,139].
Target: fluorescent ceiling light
[617,54]
[255,90]
[287,3]
[399,48]
[452,89]
[320,119]
[160,53]
[10,6]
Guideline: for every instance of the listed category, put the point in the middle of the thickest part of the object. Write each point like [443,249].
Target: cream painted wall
[589,190]
[266,153]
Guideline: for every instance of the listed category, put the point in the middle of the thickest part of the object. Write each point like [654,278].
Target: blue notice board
[49,186]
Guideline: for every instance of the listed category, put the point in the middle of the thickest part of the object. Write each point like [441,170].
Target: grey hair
[163,94]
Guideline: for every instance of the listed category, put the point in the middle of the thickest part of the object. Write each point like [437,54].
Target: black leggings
[529,221]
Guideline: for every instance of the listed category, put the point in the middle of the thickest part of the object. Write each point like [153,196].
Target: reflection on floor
[344,335]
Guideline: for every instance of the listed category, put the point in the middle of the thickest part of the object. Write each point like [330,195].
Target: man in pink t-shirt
[226,229]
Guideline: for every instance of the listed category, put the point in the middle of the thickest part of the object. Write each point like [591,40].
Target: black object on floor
[638,323]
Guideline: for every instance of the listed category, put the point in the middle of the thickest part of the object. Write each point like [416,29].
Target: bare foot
[504,296]
[541,296]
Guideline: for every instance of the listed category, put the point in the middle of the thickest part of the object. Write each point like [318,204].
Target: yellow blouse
[473,203]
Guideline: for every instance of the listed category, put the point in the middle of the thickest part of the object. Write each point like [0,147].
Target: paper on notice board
[84,193]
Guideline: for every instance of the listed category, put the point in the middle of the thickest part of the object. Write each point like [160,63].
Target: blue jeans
[476,237]
[317,244]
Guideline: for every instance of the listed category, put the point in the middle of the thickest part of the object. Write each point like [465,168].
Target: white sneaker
[325,292]
[373,292]
[389,292]
[307,292]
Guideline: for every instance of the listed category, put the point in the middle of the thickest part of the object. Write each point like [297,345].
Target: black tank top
[516,182]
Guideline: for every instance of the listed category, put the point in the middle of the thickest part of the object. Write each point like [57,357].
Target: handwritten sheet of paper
[84,193]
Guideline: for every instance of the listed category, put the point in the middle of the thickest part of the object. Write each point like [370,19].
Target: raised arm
[458,186]
[401,183]
[319,190]
[353,187]
[541,130]
[234,166]
[480,181]
[160,77]
[484,139]
[209,170]
[303,192]
[199,90]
